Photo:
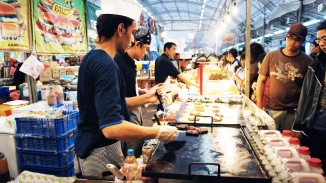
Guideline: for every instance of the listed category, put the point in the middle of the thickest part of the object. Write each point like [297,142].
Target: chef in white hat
[104,117]
[183,62]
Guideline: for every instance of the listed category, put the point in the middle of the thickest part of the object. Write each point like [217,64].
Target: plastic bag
[32,67]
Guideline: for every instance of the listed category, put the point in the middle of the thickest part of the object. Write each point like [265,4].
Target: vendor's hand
[167,133]
[142,91]
[297,134]
[150,95]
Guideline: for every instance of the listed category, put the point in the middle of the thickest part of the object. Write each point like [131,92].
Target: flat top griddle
[225,145]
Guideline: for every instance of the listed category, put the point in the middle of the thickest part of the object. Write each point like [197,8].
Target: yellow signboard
[59,26]
[14,27]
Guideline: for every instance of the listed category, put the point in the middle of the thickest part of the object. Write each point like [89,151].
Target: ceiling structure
[203,18]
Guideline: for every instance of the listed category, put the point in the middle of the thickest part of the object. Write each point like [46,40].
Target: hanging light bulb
[235,10]
[191,35]
[228,17]
[163,34]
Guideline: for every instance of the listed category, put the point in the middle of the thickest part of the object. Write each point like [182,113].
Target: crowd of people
[289,85]
[111,118]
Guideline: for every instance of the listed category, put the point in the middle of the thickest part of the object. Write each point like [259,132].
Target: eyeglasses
[295,40]
[323,39]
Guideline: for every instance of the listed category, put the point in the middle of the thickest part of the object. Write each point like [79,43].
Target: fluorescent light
[149,14]
[199,27]
[325,17]
[144,9]
[311,22]
[279,32]
[268,35]
[153,17]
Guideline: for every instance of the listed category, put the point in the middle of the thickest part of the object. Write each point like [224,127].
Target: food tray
[198,157]
[46,144]
[46,159]
[67,171]
[48,126]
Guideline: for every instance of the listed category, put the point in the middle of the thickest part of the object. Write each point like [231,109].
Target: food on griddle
[197,103]
[182,126]
[215,111]
[190,128]
[203,129]
[192,118]
[217,119]
[199,106]
[200,109]
[192,132]
[195,113]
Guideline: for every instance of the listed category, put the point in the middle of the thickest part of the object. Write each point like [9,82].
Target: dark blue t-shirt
[164,68]
[101,101]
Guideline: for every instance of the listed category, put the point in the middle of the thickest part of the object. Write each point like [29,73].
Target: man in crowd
[104,117]
[164,68]
[314,49]
[127,66]
[286,69]
[310,123]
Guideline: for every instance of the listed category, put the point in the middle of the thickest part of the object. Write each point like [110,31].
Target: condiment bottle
[315,166]
[286,134]
[4,170]
[294,142]
[51,98]
[304,153]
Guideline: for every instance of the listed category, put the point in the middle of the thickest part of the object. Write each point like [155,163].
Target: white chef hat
[185,55]
[127,8]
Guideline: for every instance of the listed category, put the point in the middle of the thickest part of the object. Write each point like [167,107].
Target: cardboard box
[46,75]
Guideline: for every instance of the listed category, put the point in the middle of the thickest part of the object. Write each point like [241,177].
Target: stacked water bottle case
[283,157]
[46,145]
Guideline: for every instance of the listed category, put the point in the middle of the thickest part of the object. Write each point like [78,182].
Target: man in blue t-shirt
[101,96]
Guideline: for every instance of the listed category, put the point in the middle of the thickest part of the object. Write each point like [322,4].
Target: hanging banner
[93,8]
[228,38]
[14,28]
[59,26]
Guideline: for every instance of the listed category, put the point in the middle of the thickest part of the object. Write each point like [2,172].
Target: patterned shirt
[286,78]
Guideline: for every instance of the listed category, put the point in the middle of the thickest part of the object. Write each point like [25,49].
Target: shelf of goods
[46,144]
[223,154]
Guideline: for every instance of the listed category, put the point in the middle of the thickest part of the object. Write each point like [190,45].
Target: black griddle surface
[224,145]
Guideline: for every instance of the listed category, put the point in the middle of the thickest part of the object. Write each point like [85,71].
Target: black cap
[298,30]
[143,35]
[2,155]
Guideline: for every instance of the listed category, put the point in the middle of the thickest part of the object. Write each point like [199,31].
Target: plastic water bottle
[147,150]
[315,166]
[304,153]
[130,166]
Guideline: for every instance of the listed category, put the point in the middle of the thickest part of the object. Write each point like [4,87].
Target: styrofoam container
[299,177]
